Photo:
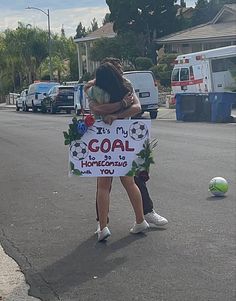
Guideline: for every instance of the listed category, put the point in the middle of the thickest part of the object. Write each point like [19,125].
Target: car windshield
[70,89]
[45,88]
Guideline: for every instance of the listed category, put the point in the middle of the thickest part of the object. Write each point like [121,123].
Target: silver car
[21,100]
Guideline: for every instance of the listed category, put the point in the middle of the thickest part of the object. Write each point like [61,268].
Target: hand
[89,84]
[108,119]
[127,101]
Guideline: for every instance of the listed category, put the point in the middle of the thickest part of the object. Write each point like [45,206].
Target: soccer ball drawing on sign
[78,150]
[138,130]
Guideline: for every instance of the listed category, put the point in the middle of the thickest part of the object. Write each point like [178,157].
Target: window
[184,74]
[175,75]
[225,64]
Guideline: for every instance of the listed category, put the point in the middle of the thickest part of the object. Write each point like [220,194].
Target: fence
[2,98]
[11,98]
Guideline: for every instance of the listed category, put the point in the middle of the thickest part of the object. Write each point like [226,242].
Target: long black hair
[109,79]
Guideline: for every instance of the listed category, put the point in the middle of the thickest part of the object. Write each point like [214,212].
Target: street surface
[47,220]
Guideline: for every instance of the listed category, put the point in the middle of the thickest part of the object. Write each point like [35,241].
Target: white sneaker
[137,228]
[98,228]
[156,219]
[104,234]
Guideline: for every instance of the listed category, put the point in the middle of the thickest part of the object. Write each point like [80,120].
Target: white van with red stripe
[205,71]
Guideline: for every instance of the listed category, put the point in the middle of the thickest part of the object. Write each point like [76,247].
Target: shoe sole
[105,237]
[159,225]
[143,230]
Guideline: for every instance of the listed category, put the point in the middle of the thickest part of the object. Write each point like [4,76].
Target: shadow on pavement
[216,198]
[88,261]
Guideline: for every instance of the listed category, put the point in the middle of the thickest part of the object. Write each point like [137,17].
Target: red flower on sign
[89,120]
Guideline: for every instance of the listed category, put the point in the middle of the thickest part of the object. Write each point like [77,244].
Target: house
[106,31]
[219,32]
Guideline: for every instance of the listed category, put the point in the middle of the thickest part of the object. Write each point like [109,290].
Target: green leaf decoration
[72,133]
[74,120]
[134,165]
[131,173]
[66,136]
[72,166]
[146,154]
[142,154]
[77,172]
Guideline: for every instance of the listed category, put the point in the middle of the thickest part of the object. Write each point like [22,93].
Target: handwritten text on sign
[108,150]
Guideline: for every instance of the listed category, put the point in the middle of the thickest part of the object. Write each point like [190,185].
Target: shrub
[143,63]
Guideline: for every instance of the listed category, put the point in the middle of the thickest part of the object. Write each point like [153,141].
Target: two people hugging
[112,97]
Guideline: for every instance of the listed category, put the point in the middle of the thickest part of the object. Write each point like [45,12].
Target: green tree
[106,19]
[126,46]
[149,17]
[105,47]
[94,25]
[206,10]
[24,57]
[80,31]
[143,63]
[163,70]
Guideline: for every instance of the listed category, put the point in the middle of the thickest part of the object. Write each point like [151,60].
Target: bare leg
[103,199]
[97,202]
[134,196]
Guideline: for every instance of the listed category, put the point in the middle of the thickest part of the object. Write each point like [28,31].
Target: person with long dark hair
[111,87]
[111,108]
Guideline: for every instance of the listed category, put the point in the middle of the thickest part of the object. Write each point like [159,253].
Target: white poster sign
[109,150]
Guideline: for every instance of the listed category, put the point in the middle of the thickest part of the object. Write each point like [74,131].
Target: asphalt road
[47,219]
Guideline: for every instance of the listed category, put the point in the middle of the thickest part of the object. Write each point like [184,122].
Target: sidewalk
[163,113]
[4,106]
[12,281]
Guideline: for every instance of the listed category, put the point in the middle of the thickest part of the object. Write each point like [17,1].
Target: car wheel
[34,108]
[53,109]
[26,108]
[153,114]
[43,109]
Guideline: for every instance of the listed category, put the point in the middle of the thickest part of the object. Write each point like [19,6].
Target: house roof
[202,33]
[217,29]
[106,31]
[226,10]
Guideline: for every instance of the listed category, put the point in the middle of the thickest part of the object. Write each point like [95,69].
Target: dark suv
[59,98]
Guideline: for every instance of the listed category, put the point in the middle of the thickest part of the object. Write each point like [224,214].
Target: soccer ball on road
[78,150]
[138,130]
[218,186]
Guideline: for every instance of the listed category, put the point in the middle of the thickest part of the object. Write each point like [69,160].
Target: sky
[67,14]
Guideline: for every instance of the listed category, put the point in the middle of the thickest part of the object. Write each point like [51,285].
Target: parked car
[81,100]
[20,102]
[60,97]
[36,93]
[146,89]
